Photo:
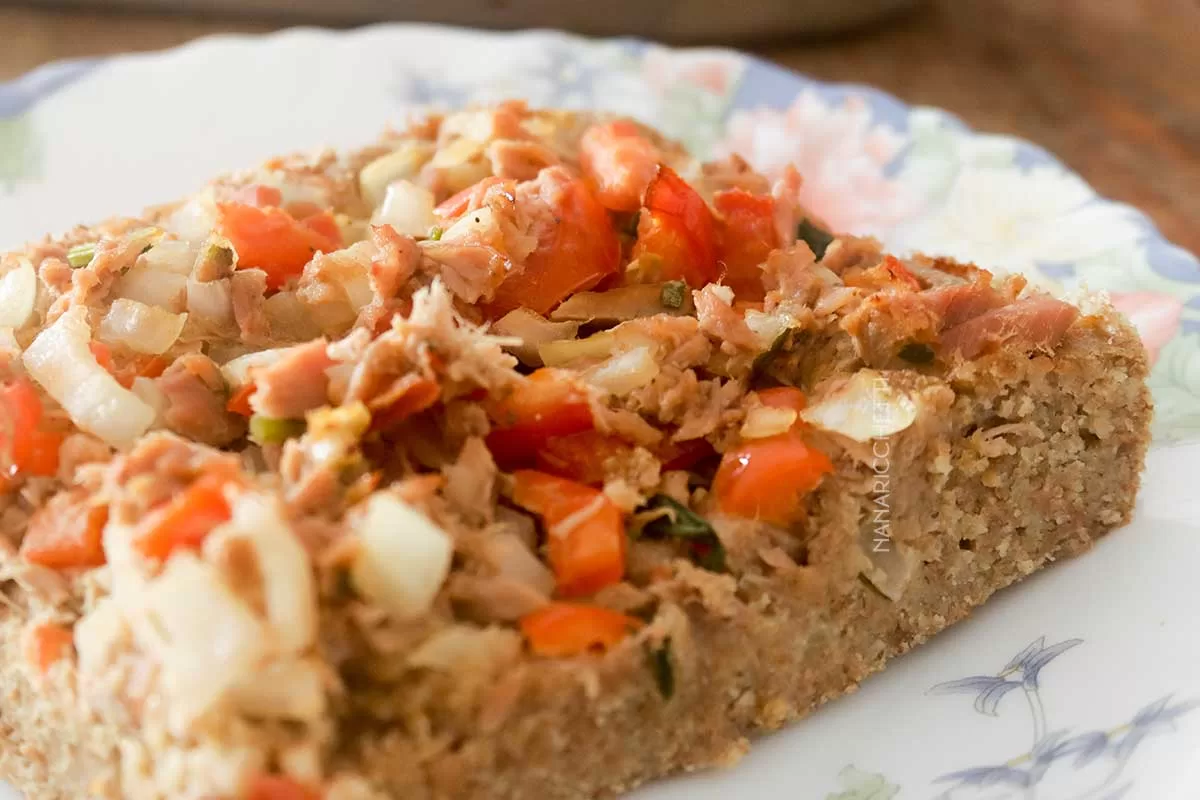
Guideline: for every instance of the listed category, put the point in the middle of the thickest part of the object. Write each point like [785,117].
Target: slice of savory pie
[518,456]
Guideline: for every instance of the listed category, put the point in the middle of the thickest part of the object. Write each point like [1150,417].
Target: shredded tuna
[90,283]
[471,482]
[520,160]
[722,322]
[733,172]
[294,384]
[248,289]
[1036,323]
[788,213]
[396,261]
[196,398]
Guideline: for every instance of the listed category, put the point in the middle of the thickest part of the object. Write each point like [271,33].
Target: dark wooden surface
[1111,86]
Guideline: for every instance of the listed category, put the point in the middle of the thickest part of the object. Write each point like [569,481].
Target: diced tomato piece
[153,367]
[187,519]
[678,228]
[466,200]
[259,196]
[746,237]
[581,456]
[419,394]
[239,401]
[684,455]
[548,404]
[561,630]
[573,255]
[321,223]
[47,643]
[274,241]
[585,534]
[620,161]
[25,447]
[783,397]
[103,355]
[65,533]
[276,787]
[768,478]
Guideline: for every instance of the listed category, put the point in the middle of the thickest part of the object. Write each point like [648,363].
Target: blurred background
[1111,86]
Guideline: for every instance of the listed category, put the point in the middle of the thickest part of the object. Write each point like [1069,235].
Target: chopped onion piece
[597,346]
[292,689]
[141,328]
[60,360]
[154,288]
[467,648]
[513,559]
[461,163]
[768,327]
[623,373]
[205,636]
[149,392]
[620,304]
[287,586]
[533,330]
[767,421]
[211,302]
[237,371]
[403,164]
[403,558]
[99,635]
[8,340]
[408,208]
[892,564]
[18,293]
[169,255]
[195,219]
[865,407]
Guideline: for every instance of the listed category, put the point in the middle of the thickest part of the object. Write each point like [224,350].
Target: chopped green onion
[763,360]
[673,294]
[917,353]
[659,661]
[81,255]
[704,548]
[270,430]
[818,240]
[435,233]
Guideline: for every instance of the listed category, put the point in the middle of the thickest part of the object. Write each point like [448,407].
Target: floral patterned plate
[1079,684]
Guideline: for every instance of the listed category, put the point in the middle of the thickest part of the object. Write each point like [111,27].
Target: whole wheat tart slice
[975,432]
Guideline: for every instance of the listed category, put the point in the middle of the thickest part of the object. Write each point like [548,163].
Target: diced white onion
[18,293]
[623,373]
[237,371]
[141,328]
[154,288]
[195,219]
[287,585]
[768,327]
[211,301]
[533,330]
[205,636]
[98,635]
[892,564]
[403,164]
[292,689]
[467,648]
[513,559]
[149,392]
[865,407]
[462,163]
[169,255]
[597,346]
[289,319]
[8,340]
[408,208]
[60,360]
[358,290]
[767,421]
[403,557]
[619,305]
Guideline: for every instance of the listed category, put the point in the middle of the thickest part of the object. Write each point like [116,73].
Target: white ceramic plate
[1080,683]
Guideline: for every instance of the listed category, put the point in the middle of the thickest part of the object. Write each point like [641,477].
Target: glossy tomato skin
[620,162]
[586,554]
[561,630]
[677,232]
[545,406]
[577,248]
[768,479]
[746,237]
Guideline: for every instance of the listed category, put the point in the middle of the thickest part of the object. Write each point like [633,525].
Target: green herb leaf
[816,238]
[270,430]
[659,661]
[81,255]
[673,294]
[703,546]
[435,233]
[763,360]
[917,353]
